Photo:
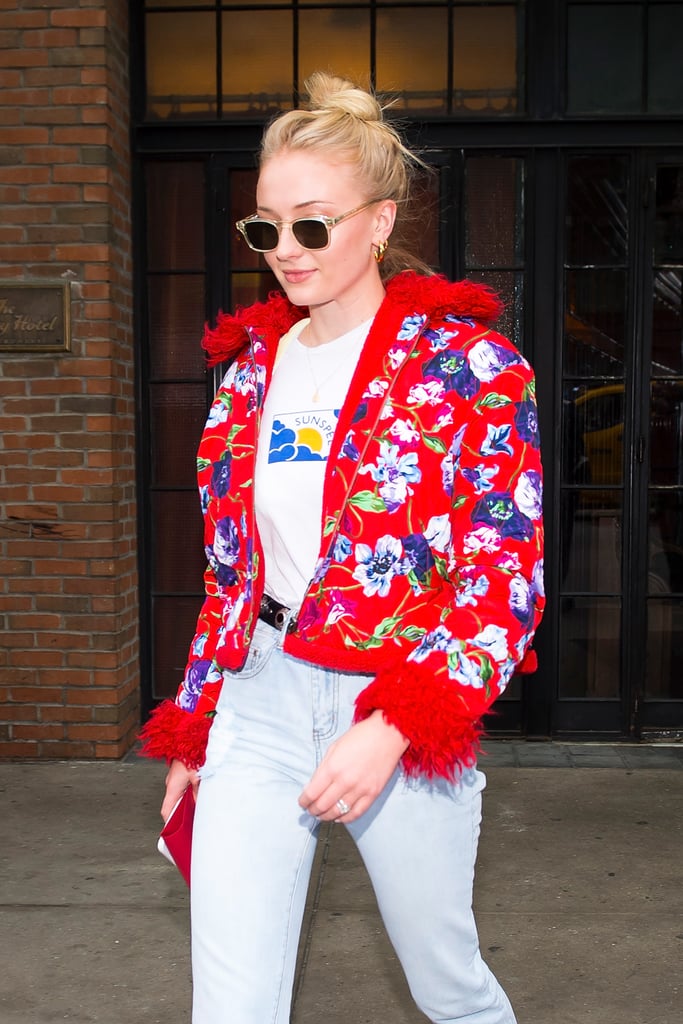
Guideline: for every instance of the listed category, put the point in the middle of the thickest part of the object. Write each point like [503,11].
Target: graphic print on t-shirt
[302,436]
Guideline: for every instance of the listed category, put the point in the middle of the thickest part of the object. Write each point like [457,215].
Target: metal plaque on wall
[34,317]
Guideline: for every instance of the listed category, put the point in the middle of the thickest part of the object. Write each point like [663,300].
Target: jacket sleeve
[493,553]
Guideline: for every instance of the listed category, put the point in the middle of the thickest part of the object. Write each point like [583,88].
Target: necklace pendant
[316,397]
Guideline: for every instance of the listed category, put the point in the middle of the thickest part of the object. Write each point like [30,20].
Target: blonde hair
[345,120]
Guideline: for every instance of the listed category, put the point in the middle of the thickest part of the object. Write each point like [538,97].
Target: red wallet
[175,841]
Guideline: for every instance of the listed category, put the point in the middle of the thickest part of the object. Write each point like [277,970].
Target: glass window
[412,57]
[181,65]
[343,35]
[487,53]
[597,221]
[494,235]
[604,58]
[258,63]
[590,647]
[595,322]
[175,215]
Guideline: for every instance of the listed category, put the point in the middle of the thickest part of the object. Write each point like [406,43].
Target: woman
[374,579]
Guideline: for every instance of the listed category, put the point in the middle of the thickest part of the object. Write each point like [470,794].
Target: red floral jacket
[430,572]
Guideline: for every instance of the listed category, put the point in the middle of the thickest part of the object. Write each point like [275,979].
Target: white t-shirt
[299,419]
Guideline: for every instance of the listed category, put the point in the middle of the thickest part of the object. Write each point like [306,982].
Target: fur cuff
[172,733]
[444,732]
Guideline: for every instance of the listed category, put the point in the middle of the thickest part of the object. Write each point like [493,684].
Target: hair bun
[328,93]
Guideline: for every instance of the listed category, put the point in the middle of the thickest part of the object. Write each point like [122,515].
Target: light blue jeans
[253,850]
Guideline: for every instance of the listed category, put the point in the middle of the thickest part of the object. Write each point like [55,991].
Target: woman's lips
[297,276]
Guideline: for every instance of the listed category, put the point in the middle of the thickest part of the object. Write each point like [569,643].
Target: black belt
[272,612]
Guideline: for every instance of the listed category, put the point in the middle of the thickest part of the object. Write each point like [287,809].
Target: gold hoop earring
[380,251]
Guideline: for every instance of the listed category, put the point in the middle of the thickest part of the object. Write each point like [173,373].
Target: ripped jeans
[253,850]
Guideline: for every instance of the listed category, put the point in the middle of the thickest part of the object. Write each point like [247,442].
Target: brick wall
[68,587]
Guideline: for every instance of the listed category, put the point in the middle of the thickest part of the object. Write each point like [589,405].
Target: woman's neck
[333,319]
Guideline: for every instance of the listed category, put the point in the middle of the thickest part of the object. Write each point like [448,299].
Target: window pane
[509,286]
[493,207]
[604,59]
[666,542]
[174,620]
[664,662]
[665,81]
[598,422]
[595,323]
[175,215]
[249,288]
[178,558]
[486,56]
[593,549]
[412,58]
[177,312]
[669,216]
[417,226]
[178,414]
[589,648]
[597,222]
[666,435]
[667,323]
[181,65]
[343,36]
[257,62]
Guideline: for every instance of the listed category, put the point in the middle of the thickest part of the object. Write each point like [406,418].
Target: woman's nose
[287,245]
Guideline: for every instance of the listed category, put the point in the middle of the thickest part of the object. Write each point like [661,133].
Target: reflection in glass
[175,215]
[494,195]
[591,543]
[669,216]
[665,542]
[411,55]
[664,661]
[665,82]
[604,59]
[177,413]
[181,65]
[345,37]
[597,419]
[589,648]
[597,215]
[666,433]
[176,314]
[257,68]
[595,323]
[667,322]
[487,53]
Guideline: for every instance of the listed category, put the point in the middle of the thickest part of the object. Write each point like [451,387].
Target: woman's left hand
[354,771]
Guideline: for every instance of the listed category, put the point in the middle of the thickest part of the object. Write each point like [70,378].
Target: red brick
[38,732]
[17,58]
[36,694]
[10,750]
[25,175]
[49,37]
[79,18]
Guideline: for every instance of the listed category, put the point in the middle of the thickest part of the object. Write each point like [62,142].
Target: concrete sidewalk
[578,897]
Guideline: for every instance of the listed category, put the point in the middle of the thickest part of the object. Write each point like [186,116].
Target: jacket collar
[407,292]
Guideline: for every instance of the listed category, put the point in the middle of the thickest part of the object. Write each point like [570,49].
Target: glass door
[659,699]
[619,603]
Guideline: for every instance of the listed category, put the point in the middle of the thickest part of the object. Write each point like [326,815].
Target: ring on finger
[343,806]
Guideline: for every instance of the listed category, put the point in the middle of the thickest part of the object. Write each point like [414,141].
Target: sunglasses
[263,235]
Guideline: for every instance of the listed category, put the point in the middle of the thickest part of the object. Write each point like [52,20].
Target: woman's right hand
[178,778]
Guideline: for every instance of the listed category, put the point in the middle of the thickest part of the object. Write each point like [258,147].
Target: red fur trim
[437,296]
[173,733]
[444,732]
[229,336]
